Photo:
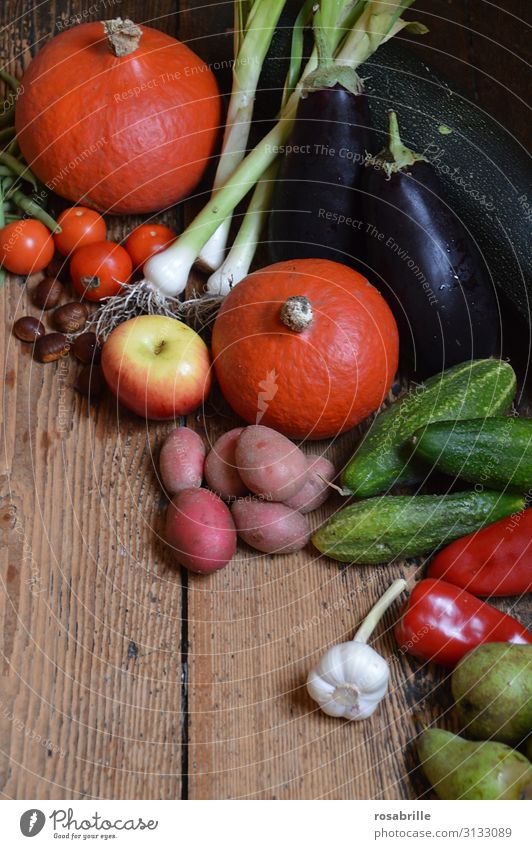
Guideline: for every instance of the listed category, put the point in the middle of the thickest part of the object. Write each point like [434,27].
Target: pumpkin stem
[297,313]
[123,37]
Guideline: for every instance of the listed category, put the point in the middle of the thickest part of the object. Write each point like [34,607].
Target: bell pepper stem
[378,610]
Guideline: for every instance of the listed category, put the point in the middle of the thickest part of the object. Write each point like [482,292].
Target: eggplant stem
[395,156]
[378,610]
[401,154]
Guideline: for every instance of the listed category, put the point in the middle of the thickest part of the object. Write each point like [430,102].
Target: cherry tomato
[26,246]
[80,226]
[147,240]
[100,270]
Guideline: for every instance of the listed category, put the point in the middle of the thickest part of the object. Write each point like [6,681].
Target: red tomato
[80,226]
[147,240]
[100,270]
[26,246]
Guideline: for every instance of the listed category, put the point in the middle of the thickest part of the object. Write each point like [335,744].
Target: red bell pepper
[442,622]
[496,560]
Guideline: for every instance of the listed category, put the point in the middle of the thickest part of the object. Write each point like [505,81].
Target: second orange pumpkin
[307,347]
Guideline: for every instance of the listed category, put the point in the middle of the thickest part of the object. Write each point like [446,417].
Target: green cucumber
[495,452]
[477,388]
[379,530]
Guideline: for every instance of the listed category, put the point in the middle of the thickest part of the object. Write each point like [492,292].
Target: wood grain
[122,677]
[90,616]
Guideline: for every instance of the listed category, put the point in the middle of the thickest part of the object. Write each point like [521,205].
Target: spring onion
[252,42]
[238,261]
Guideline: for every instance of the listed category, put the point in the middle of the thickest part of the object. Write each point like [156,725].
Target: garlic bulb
[351,678]
[349,681]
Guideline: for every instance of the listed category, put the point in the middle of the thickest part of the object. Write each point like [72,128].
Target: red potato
[221,474]
[270,527]
[181,460]
[200,530]
[270,464]
[315,492]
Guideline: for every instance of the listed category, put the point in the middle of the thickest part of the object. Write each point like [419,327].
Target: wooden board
[122,677]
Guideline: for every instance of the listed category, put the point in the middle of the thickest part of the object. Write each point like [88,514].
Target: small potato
[200,530]
[270,527]
[221,474]
[315,492]
[270,464]
[181,460]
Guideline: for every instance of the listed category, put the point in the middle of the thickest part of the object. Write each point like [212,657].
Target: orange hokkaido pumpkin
[119,117]
[307,347]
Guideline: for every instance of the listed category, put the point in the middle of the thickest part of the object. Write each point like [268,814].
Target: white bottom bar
[252,824]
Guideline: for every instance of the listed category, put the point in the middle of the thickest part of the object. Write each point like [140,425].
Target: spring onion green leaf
[254,45]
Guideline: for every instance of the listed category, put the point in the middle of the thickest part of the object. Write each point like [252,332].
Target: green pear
[466,769]
[492,688]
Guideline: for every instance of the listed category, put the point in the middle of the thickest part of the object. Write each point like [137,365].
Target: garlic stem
[378,610]
[351,678]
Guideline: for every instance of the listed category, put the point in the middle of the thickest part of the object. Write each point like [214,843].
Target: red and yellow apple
[157,366]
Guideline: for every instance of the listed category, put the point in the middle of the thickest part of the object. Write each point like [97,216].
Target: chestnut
[47,294]
[71,317]
[51,347]
[28,328]
[90,382]
[86,348]
[59,267]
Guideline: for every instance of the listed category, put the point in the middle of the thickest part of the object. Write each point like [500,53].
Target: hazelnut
[47,293]
[90,381]
[71,317]
[28,329]
[51,347]
[86,348]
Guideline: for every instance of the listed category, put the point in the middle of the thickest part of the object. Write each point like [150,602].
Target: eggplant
[484,169]
[425,263]
[320,172]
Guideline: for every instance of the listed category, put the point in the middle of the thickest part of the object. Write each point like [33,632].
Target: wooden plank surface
[122,677]
[91,608]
